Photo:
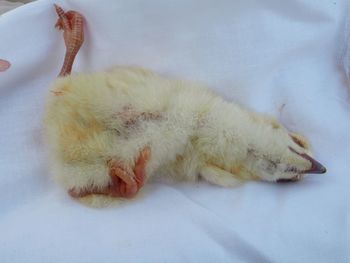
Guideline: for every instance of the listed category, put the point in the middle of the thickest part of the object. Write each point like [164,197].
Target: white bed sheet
[286,58]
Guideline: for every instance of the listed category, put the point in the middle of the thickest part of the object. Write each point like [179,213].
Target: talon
[59,11]
[140,166]
[123,182]
[62,20]
[126,176]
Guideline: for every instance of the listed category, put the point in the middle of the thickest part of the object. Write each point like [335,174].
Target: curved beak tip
[316,168]
[323,170]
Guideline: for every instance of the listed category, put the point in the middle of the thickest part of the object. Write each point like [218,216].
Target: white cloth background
[280,57]
[7,6]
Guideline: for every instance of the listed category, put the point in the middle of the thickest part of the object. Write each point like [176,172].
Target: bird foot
[125,181]
[72,24]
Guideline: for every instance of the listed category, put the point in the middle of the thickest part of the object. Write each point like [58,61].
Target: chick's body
[93,118]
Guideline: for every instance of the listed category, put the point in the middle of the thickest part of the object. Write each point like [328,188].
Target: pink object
[71,23]
[4,65]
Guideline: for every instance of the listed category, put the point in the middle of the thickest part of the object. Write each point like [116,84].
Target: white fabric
[7,6]
[285,58]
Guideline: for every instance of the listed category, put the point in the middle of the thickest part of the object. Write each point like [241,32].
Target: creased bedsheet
[286,58]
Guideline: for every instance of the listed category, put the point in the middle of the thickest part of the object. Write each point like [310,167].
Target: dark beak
[316,167]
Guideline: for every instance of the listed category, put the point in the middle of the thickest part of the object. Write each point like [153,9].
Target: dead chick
[110,132]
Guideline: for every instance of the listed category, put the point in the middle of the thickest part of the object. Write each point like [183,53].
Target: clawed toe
[122,180]
[125,181]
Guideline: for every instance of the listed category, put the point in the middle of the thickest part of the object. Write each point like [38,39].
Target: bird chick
[180,129]
[110,132]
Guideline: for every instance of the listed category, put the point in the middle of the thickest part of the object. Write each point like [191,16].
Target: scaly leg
[125,182]
[72,23]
